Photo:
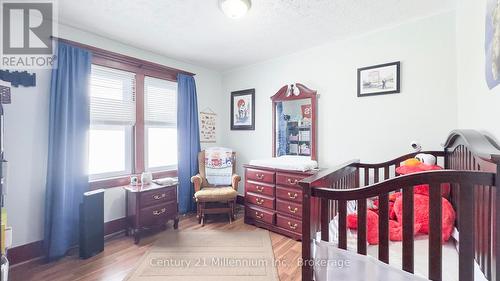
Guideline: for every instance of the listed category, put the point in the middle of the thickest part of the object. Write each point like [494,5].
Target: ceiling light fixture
[235,9]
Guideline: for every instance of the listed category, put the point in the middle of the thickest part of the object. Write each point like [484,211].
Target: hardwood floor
[120,255]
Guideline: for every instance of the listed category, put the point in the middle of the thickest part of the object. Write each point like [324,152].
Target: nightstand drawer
[153,197]
[157,213]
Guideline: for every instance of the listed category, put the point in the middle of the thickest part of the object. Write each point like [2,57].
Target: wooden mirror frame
[304,93]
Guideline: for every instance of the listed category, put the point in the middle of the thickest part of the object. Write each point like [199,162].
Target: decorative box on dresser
[150,206]
[273,199]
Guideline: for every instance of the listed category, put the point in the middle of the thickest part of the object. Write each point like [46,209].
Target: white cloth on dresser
[287,162]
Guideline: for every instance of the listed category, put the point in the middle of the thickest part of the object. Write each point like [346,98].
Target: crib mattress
[347,265]
[323,249]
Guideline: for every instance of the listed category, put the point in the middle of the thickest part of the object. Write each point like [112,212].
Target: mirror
[294,117]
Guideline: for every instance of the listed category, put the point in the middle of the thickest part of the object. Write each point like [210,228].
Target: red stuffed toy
[424,188]
[421,214]
[421,210]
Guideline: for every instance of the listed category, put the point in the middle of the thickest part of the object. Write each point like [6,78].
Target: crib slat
[435,230]
[408,229]
[386,172]
[487,222]
[367,176]
[477,214]
[383,228]
[362,226]
[324,207]
[466,246]
[342,224]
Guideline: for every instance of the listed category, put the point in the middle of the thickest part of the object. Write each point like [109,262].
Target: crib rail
[335,188]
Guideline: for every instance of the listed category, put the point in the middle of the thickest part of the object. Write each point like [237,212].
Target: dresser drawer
[260,175]
[291,180]
[259,188]
[289,194]
[289,223]
[260,215]
[289,208]
[260,200]
[157,213]
[153,197]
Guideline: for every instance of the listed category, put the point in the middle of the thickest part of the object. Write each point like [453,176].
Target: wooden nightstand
[150,206]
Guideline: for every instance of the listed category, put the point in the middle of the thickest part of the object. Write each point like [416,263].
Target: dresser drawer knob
[293,181]
[259,216]
[292,226]
[294,210]
[259,176]
[259,201]
[159,212]
[292,196]
[259,188]
[158,196]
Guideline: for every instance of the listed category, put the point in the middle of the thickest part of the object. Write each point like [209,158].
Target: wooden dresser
[273,199]
[150,206]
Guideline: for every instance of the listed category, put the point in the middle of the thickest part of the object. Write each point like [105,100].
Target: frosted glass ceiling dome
[235,9]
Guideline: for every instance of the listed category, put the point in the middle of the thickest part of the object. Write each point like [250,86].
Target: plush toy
[371,226]
[421,214]
[424,188]
[421,206]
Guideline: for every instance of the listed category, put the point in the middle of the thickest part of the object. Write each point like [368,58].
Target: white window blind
[112,96]
[160,102]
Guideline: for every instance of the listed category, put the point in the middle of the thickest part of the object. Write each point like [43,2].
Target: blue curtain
[188,140]
[282,143]
[67,177]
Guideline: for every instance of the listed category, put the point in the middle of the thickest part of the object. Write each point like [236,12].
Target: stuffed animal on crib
[421,163]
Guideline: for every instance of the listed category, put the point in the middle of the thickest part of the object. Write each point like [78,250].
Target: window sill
[125,180]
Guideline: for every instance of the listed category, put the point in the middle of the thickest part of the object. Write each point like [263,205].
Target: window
[113,117]
[160,124]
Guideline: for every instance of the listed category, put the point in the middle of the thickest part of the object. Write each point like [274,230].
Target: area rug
[208,255]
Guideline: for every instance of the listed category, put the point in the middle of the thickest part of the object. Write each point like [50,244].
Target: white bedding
[325,250]
[288,162]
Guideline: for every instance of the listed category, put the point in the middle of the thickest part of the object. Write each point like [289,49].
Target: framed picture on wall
[243,110]
[379,79]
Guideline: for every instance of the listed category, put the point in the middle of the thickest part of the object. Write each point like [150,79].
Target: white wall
[374,128]
[26,138]
[477,105]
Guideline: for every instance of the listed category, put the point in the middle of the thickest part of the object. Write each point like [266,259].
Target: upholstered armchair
[214,200]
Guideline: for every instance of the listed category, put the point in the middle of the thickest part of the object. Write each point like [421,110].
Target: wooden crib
[471,162]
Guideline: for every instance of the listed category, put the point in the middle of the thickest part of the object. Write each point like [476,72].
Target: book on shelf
[304,136]
[293,148]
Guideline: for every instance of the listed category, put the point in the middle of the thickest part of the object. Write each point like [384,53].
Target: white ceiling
[196,31]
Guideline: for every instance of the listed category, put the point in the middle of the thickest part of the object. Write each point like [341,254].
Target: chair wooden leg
[202,214]
[233,206]
[198,210]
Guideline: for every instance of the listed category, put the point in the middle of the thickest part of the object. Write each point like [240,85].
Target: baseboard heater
[92,224]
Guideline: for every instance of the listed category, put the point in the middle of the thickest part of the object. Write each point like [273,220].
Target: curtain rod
[123,58]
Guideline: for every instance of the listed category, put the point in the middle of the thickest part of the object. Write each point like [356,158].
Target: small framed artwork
[379,79]
[243,110]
